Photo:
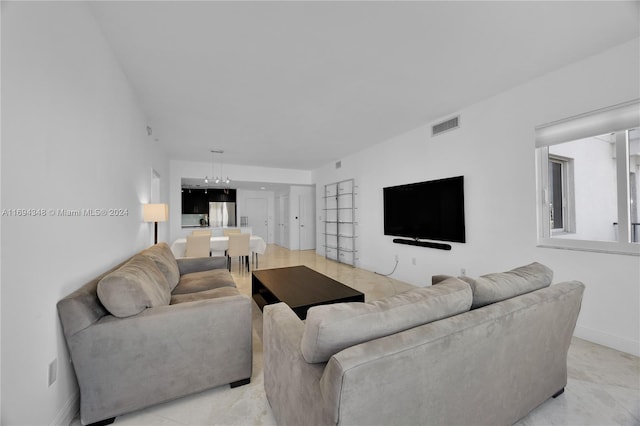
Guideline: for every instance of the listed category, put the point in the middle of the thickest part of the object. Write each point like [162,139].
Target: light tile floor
[603,386]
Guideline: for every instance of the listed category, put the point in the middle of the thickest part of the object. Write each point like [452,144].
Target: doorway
[306,223]
[258,217]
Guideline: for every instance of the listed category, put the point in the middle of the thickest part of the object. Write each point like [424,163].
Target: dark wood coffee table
[300,288]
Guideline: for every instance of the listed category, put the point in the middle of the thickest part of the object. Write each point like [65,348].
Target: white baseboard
[615,342]
[69,411]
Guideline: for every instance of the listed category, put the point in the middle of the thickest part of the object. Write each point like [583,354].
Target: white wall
[494,150]
[73,137]
[194,169]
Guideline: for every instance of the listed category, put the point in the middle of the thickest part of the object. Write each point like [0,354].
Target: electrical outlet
[463,272]
[413,260]
[396,256]
[53,371]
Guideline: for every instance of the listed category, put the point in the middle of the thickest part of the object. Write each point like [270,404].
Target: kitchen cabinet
[196,201]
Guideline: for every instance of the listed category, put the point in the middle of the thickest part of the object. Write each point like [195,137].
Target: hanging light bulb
[218,178]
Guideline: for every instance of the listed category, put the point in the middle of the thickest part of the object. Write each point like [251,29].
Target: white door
[258,216]
[307,223]
[278,221]
[285,222]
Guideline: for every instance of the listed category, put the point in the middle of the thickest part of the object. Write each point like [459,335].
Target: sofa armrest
[124,364]
[188,265]
[291,384]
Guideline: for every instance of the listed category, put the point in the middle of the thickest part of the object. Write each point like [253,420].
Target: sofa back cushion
[165,261]
[332,328]
[134,287]
[499,286]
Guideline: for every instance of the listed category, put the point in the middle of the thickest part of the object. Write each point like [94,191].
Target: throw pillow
[332,328]
[495,287]
[134,287]
[165,261]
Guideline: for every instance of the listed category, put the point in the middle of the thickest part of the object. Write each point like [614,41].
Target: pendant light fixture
[217,179]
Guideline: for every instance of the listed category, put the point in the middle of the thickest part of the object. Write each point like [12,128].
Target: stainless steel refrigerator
[222,214]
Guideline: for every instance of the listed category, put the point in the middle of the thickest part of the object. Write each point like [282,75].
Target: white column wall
[595,182]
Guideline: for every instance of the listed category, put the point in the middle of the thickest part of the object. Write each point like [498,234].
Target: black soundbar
[429,244]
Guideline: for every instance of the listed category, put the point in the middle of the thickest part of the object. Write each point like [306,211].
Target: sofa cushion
[187,265]
[495,287]
[204,280]
[332,328]
[134,287]
[204,295]
[165,261]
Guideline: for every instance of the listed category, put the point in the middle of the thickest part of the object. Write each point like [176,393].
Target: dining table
[220,244]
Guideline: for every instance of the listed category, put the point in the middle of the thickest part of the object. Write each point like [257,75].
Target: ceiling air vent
[445,126]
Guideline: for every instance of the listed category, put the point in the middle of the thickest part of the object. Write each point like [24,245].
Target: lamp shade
[155,212]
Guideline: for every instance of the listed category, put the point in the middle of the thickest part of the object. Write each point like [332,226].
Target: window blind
[606,120]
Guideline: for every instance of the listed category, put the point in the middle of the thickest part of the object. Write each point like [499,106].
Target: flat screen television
[432,210]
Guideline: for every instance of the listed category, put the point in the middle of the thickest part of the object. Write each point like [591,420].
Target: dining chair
[198,246]
[238,246]
[203,232]
[228,231]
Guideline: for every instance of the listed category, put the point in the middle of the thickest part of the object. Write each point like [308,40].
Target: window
[561,189]
[587,175]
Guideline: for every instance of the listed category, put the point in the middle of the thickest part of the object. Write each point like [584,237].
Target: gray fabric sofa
[153,329]
[424,357]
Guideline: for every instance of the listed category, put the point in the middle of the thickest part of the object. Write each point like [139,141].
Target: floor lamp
[155,213]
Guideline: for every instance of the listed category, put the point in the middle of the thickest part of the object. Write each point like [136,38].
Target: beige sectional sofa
[153,329]
[424,357]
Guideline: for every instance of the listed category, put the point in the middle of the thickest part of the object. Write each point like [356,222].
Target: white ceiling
[302,84]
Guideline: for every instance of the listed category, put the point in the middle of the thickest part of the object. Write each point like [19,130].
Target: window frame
[568,197]
[617,119]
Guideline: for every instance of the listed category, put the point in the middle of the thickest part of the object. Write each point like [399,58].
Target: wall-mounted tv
[432,210]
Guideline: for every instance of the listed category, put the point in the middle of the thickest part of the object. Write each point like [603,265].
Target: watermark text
[57,212]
